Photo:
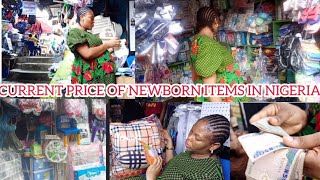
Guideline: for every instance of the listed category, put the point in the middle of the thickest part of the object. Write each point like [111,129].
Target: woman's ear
[214,146]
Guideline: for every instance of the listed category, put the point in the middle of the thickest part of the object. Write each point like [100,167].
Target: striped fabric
[128,157]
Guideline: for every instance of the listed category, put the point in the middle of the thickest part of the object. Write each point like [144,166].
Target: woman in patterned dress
[211,62]
[93,62]
[201,160]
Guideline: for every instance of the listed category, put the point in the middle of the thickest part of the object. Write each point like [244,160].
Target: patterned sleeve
[208,57]
[74,38]
[313,125]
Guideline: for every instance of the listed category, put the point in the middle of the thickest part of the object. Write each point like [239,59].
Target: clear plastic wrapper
[158,29]
[140,17]
[144,2]
[99,108]
[30,105]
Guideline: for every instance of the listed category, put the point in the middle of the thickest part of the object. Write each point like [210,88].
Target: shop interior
[53,139]
[271,40]
[34,46]
[177,116]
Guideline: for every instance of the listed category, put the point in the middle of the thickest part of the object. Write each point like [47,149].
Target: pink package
[99,108]
[73,107]
[30,105]
[84,157]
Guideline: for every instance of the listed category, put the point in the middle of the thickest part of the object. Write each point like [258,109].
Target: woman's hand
[110,50]
[112,43]
[238,156]
[311,162]
[154,169]
[169,152]
[165,135]
[290,117]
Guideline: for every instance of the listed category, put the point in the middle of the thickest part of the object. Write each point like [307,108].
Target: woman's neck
[202,156]
[80,27]
[206,32]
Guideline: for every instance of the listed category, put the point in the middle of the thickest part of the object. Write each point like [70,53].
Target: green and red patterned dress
[313,125]
[100,70]
[208,58]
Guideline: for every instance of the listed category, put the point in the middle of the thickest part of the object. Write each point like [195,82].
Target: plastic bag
[30,105]
[99,108]
[73,107]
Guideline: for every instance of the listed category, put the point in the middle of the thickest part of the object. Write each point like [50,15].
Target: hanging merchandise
[44,154]
[183,112]
[162,34]
[55,151]
[47,104]
[186,115]
[259,23]
[30,105]
[74,107]
[99,108]
[144,2]
[231,21]
[242,58]
[80,3]
[241,24]
[261,72]
[307,58]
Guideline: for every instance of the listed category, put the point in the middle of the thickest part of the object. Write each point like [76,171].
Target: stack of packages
[86,162]
[37,169]
[10,166]
[268,157]
[103,27]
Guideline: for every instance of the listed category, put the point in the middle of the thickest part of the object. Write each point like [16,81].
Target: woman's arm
[92,52]
[169,148]
[212,80]
[169,151]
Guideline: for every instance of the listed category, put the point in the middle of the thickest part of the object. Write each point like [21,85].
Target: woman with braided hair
[93,62]
[211,62]
[201,160]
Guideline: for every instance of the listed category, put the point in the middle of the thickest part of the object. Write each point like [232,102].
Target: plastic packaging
[149,152]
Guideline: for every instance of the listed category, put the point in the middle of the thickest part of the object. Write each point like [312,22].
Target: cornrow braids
[205,18]
[82,12]
[219,129]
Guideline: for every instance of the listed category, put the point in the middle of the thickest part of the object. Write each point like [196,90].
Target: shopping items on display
[125,150]
[161,40]
[41,150]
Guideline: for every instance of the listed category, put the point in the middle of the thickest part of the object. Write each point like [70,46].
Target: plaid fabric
[128,157]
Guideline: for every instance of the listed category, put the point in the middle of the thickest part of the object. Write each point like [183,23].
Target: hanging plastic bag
[73,107]
[99,108]
[30,105]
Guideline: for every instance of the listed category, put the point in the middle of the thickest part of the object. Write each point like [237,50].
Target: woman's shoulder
[201,39]
[76,32]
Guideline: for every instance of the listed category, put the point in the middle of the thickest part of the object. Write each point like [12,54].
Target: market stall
[53,139]
[35,38]
[270,41]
